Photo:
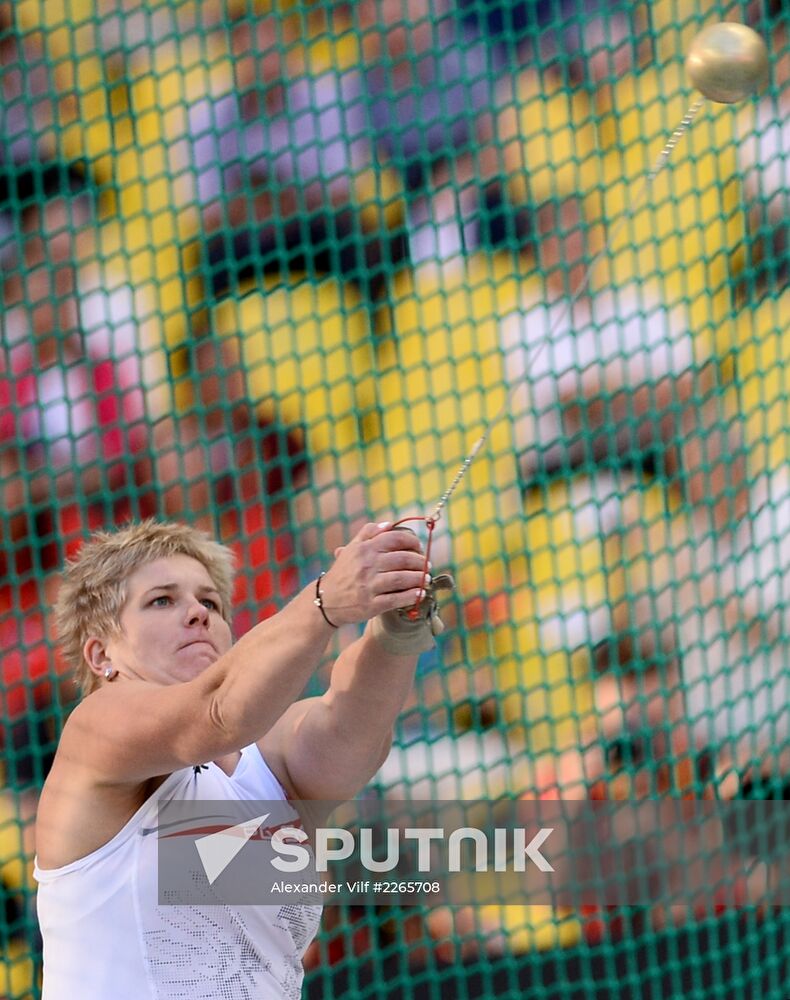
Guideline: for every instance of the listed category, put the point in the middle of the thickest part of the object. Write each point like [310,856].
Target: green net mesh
[271,268]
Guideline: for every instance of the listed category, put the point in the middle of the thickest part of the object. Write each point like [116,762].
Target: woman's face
[171,624]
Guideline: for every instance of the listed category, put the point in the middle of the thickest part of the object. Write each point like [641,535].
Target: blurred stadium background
[269,267]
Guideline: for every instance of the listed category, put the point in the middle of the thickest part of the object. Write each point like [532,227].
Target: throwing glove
[403,632]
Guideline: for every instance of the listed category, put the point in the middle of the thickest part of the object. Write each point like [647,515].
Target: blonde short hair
[93,589]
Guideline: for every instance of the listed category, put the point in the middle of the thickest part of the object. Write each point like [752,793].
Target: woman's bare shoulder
[80,808]
[79,811]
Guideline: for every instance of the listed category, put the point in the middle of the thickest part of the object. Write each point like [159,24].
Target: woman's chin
[193,664]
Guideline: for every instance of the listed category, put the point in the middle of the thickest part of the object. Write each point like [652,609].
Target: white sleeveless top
[105,935]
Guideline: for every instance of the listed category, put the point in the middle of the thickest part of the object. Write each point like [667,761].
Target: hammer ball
[727,62]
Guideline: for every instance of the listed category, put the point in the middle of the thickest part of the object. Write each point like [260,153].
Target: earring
[110,673]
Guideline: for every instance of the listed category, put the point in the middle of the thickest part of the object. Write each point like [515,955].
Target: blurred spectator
[734,635]
[634,744]
[641,746]
[72,405]
[227,470]
[427,83]
[614,381]
[432,88]
[716,604]
[586,40]
[27,108]
[280,160]
[618,376]
[444,108]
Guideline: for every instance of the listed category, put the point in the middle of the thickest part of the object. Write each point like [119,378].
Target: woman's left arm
[328,748]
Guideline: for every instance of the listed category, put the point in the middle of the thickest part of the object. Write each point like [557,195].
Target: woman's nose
[197,614]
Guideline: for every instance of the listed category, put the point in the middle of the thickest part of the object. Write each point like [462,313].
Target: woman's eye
[161,602]
[210,604]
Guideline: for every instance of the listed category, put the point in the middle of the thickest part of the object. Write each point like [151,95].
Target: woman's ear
[96,655]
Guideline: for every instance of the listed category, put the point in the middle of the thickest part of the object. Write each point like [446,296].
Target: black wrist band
[319,599]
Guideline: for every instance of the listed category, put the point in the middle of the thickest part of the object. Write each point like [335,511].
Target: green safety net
[273,268]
